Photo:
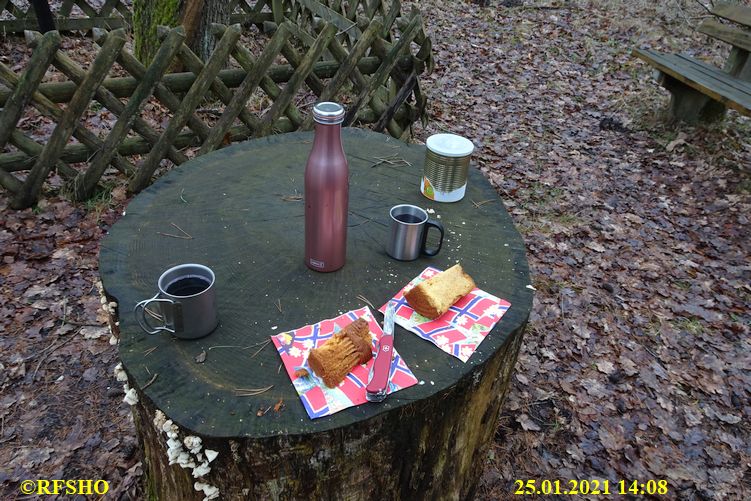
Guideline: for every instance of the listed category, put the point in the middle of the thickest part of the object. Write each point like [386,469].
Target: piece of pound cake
[433,297]
[349,347]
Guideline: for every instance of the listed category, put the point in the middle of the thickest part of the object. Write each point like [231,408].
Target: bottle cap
[328,113]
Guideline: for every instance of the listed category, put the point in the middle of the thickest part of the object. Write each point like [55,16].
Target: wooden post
[689,105]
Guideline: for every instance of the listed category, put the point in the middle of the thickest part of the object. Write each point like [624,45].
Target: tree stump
[240,212]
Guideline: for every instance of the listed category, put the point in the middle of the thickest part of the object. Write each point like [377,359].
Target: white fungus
[210,492]
[201,470]
[211,455]
[120,373]
[131,397]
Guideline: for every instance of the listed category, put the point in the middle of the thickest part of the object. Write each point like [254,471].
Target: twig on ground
[708,9]
[261,412]
[366,301]
[240,347]
[391,160]
[278,304]
[185,236]
[50,349]
[251,392]
[346,29]
[480,203]
[149,351]
[150,381]
[261,348]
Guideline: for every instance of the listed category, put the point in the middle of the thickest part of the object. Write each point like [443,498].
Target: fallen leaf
[527,423]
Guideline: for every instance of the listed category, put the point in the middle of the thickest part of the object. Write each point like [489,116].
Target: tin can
[446,166]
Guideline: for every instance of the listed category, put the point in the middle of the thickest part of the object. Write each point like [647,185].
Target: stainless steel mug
[186,303]
[409,233]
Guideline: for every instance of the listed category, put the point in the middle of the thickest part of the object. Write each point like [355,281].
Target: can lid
[450,145]
[328,113]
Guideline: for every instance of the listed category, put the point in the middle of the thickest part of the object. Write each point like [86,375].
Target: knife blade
[378,383]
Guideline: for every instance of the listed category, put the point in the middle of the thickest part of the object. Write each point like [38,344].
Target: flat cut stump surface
[242,208]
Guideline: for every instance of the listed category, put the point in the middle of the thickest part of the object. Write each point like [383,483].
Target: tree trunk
[44,16]
[195,15]
[200,39]
[147,15]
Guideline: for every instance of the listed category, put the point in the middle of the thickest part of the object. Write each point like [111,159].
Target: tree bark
[147,15]
[200,40]
[44,15]
[195,15]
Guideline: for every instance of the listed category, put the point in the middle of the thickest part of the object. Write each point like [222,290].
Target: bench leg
[739,64]
[689,105]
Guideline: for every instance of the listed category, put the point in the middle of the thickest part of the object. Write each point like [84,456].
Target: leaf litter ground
[635,364]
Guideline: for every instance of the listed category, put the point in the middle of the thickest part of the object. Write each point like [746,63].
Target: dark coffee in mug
[187,286]
[408,231]
[408,218]
[185,303]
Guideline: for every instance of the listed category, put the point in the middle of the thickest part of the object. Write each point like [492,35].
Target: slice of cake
[349,347]
[433,297]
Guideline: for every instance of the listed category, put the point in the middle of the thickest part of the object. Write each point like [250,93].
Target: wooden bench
[700,91]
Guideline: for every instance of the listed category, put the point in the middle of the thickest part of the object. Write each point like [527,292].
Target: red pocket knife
[378,383]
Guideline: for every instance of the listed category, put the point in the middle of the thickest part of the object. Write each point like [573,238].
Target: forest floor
[636,363]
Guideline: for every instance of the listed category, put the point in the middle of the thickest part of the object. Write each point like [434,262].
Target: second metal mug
[408,230]
[186,302]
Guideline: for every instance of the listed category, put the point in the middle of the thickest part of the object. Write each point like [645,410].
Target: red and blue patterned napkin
[318,399]
[462,328]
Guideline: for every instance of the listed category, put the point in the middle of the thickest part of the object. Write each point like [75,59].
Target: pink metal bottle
[326,192]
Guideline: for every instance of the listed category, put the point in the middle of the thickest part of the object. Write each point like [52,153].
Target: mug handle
[140,313]
[428,224]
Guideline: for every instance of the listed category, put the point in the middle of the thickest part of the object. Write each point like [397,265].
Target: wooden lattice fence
[17,16]
[371,62]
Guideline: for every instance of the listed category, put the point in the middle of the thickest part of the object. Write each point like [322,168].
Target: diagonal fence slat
[108,7]
[245,58]
[66,8]
[296,80]
[194,64]
[111,102]
[383,71]
[84,184]
[189,104]
[78,104]
[348,64]
[360,82]
[401,96]
[90,141]
[246,88]
[86,8]
[162,92]
[77,74]
[34,149]
[30,79]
